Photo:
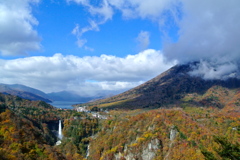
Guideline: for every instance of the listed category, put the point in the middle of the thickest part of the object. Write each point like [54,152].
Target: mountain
[174,87]
[24,92]
[27,130]
[34,94]
[68,96]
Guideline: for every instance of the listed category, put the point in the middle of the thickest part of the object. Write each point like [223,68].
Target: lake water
[64,104]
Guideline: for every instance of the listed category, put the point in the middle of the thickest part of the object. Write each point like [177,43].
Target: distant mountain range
[176,87]
[24,92]
[68,96]
[34,94]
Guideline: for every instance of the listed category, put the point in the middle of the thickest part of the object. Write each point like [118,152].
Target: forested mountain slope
[189,133]
[205,132]
[25,130]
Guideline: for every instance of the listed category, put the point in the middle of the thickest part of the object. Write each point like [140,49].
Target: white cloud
[86,75]
[208,30]
[101,14]
[143,39]
[105,11]
[17,36]
[210,70]
[151,9]
[78,32]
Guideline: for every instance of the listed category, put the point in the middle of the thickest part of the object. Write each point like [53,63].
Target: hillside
[209,133]
[23,135]
[170,89]
[24,92]
[20,139]
[165,134]
[28,130]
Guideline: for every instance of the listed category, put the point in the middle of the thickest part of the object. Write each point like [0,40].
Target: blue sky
[103,46]
[117,36]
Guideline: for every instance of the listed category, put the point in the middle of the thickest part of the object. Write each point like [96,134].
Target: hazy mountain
[68,96]
[172,88]
[24,92]
[34,94]
[28,89]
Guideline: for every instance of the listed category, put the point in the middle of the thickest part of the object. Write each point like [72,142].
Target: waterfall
[60,130]
[87,152]
[60,136]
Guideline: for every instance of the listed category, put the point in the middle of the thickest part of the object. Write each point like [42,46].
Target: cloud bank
[210,70]
[207,30]
[86,75]
[209,33]
[17,34]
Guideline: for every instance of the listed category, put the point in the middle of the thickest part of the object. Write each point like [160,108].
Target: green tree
[227,150]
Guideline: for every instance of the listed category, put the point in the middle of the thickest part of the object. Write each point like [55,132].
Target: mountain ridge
[68,96]
[165,90]
[24,92]
[35,94]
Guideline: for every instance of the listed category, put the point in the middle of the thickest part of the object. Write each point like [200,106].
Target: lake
[63,104]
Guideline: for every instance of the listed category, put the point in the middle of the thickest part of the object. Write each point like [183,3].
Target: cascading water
[60,136]
[87,152]
[60,130]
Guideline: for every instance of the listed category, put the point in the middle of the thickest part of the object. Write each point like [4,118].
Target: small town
[95,114]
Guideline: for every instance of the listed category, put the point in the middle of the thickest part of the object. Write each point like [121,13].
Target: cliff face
[165,90]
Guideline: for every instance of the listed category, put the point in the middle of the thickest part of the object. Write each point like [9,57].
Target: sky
[104,46]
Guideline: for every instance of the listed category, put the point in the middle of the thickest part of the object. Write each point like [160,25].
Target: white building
[82,109]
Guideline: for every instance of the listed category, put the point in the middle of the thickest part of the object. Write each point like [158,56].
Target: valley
[173,116]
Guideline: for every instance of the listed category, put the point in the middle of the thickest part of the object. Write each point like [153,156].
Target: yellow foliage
[140,139]
[148,135]
[133,145]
